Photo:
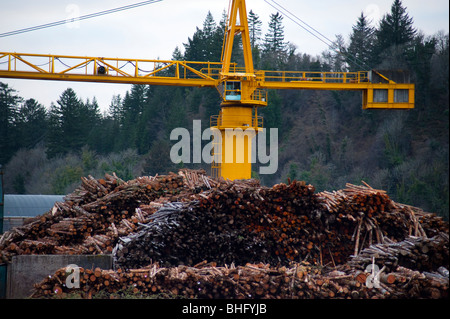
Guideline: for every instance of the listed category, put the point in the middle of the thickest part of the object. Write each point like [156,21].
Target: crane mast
[243,89]
[238,119]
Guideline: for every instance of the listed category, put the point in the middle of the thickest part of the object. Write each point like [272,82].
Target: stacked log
[419,253]
[368,216]
[205,280]
[250,281]
[174,222]
[242,223]
[98,207]
[235,223]
[238,221]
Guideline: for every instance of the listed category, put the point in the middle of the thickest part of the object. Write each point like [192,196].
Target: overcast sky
[153,31]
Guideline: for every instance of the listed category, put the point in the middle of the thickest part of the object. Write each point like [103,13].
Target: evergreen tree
[206,43]
[92,121]
[274,55]
[193,48]
[395,33]
[274,38]
[157,160]
[440,65]
[222,26]
[254,26]
[217,39]
[9,102]
[209,25]
[62,123]
[359,52]
[272,113]
[115,110]
[212,39]
[70,124]
[32,123]
[91,115]
[111,122]
[153,123]
[177,116]
[177,55]
[133,107]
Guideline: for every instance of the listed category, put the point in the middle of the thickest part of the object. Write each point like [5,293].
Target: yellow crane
[243,89]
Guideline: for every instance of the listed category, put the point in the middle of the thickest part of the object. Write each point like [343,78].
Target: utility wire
[84,17]
[330,44]
[286,10]
[296,22]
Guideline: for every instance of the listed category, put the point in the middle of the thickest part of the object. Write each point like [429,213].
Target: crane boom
[108,70]
[204,74]
[243,90]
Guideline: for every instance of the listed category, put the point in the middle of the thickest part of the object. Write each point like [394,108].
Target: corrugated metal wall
[19,207]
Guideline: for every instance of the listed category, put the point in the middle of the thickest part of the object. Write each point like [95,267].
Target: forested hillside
[325,138]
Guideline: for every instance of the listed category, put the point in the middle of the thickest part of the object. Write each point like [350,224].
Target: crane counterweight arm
[378,91]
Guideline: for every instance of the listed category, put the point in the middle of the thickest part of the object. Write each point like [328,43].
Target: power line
[296,22]
[330,44]
[320,34]
[80,18]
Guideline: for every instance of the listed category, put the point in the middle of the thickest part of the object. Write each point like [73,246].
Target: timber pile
[415,264]
[91,219]
[173,222]
[419,253]
[205,280]
[247,224]
[255,281]
[233,223]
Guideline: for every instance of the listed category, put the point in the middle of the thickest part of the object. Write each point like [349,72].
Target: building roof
[29,205]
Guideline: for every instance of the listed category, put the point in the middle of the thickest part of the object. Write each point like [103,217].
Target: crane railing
[256,122]
[313,76]
[81,68]
[65,67]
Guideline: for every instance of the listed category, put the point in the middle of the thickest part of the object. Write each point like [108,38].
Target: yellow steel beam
[234,26]
[387,95]
[319,85]
[189,73]
[109,79]
[369,99]
[75,68]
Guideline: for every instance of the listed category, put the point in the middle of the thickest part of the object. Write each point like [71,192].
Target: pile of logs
[173,222]
[415,263]
[247,224]
[419,253]
[254,281]
[91,219]
[205,280]
[234,223]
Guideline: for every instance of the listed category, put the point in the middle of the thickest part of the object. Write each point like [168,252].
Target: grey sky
[153,31]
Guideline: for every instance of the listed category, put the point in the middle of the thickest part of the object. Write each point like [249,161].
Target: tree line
[325,138]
